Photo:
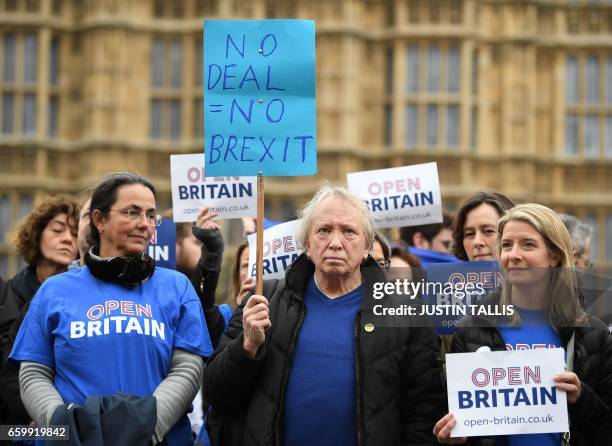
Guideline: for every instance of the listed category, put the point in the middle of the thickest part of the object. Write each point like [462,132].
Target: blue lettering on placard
[230,147]
[266,149]
[400,201]
[229,40]
[540,396]
[247,116]
[210,76]
[213,191]
[212,149]
[259,74]
[253,78]
[245,148]
[262,45]
[280,113]
[268,86]
[465,399]
[227,76]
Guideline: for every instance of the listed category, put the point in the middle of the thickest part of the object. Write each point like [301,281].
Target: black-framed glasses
[136,214]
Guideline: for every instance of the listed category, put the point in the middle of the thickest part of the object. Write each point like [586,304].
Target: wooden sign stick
[259,248]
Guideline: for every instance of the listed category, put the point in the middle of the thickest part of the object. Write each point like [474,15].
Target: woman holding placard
[535,253]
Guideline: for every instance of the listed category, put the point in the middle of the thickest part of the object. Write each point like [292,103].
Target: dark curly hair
[497,200]
[28,234]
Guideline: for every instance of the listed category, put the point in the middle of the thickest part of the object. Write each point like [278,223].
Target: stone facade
[508,95]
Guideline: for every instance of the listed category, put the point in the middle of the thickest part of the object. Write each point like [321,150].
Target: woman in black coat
[535,254]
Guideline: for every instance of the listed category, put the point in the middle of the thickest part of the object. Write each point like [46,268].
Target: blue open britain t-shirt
[535,332]
[101,338]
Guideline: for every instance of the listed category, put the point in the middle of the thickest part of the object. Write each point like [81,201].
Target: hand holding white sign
[507,393]
[570,383]
[443,428]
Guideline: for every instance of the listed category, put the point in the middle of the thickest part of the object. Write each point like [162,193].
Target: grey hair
[579,232]
[329,190]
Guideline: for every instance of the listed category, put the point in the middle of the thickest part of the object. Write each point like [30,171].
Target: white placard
[506,393]
[400,196]
[230,197]
[280,248]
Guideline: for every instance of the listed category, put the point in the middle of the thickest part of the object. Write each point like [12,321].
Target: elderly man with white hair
[582,236]
[304,364]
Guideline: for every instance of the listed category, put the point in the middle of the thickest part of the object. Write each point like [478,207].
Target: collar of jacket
[25,284]
[300,272]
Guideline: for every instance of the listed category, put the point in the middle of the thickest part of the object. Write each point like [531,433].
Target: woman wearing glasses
[119,324]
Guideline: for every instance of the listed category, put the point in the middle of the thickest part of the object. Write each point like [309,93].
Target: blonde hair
[329,190]
[564,304]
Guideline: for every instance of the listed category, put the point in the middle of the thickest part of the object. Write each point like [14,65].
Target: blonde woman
[535,253]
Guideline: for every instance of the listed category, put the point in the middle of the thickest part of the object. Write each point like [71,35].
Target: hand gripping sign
[400,196]
[229,197]
[506,393]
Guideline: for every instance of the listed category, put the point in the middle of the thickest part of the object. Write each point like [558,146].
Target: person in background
[240,283]
[475,234]
[83,230]
[475,226]
[403,264]
[381,251]
[303,365]
[535,253]
[73,343]
[582,241]
[47,240]
[430,243]
[199,255]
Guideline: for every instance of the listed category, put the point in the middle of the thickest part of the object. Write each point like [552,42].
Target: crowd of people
[95,336]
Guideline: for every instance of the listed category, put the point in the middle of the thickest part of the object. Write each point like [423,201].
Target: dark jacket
[399,392]
[19,293]
[25,284]
[118,420]
[591,416]
[205,278]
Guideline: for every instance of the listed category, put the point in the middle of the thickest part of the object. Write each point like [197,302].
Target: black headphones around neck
[129,271]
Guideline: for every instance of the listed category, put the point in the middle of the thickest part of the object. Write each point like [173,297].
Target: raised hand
[255,322]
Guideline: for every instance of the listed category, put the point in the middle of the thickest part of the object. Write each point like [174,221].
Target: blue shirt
[101,338]
[320,405]
[534,332]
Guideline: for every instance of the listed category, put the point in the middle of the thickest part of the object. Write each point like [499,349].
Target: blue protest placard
[453,286]
[162,246]
[259,97]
